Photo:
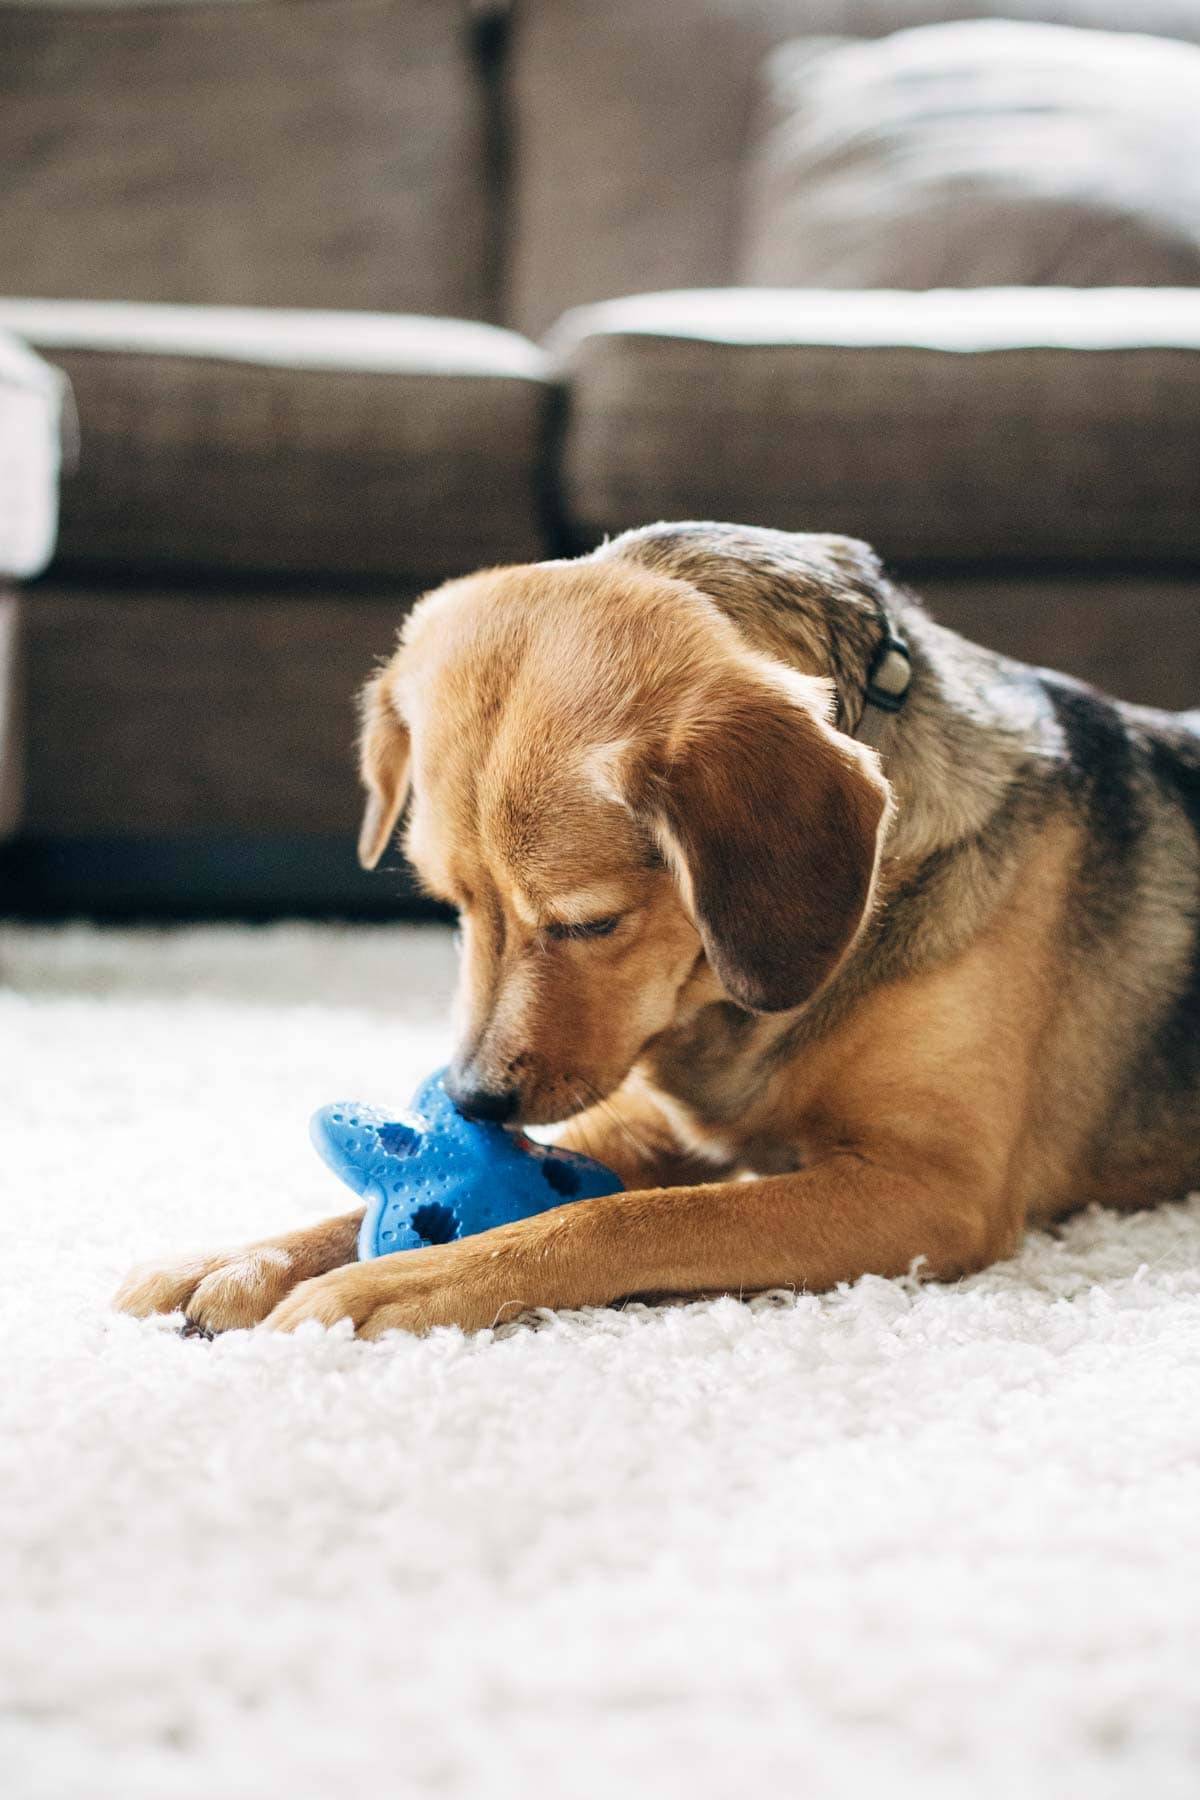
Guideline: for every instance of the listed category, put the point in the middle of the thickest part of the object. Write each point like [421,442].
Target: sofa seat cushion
[264,153]
[979,155]
[31,404]
[244,439]
[1049,423]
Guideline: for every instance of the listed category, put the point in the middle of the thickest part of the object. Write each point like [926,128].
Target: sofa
[354,295]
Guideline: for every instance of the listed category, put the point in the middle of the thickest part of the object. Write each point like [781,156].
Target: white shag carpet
[899,1540]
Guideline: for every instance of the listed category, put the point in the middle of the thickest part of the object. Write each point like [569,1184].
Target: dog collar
[889,678]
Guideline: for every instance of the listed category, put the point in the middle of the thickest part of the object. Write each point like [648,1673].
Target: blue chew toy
[431,1175]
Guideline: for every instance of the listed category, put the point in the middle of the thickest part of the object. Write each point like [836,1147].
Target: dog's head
[630,809]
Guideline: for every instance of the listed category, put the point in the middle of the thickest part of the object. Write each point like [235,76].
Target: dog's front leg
[240,1287]
[839,1219]
[631,1135]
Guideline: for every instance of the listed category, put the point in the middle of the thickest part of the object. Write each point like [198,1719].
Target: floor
[908,1540]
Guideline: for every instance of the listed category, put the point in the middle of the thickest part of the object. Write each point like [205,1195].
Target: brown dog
[924,996]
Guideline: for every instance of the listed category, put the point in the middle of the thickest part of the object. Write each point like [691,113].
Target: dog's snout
[475,1101]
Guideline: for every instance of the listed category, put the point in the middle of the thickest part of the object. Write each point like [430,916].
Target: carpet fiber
[898,1540]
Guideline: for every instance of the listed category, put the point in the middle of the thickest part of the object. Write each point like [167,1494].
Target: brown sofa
[355,294]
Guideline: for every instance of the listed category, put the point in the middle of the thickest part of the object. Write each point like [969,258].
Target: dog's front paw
[153,1288]
[411,1291]
[239,1288]
[219,1293]
[243,1290]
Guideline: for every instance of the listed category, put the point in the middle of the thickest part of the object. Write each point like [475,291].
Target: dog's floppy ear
[772,821]
[383,758]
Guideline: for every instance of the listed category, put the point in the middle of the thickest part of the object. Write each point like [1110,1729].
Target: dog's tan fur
[923,998]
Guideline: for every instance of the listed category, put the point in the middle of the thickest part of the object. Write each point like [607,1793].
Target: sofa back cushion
[979,155]
[306,153]
[632,122]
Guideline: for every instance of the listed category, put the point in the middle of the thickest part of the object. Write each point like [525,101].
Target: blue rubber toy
[431,1175]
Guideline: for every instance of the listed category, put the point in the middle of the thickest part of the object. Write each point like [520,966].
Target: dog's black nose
[495,1106]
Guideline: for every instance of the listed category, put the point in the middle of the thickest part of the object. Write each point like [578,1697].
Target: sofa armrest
[12,737]
[32,399]
[1022,423]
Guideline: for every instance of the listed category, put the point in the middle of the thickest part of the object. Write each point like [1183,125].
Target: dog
[851,946]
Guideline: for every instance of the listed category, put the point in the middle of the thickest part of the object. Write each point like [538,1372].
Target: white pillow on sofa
[979,154]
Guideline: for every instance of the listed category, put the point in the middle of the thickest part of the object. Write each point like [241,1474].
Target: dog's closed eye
[561,929]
